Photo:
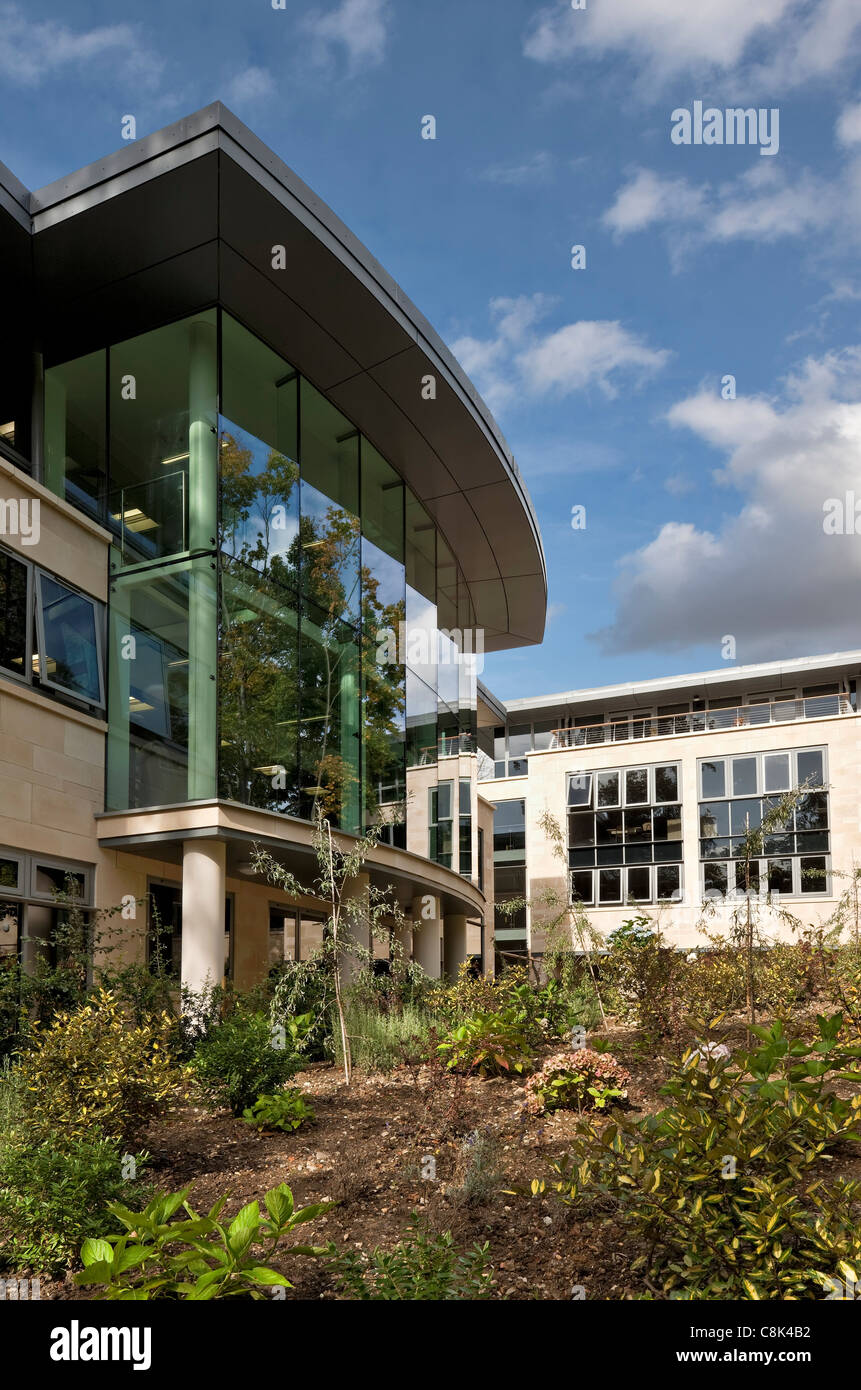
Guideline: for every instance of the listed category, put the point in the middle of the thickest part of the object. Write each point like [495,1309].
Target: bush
[380,1040]
[492,1044]
[286,1110]
[479,1173]
[581,1080]
[196,1259]
[241,1059]
[421,1267]
[90,1072]
[644,975]
[54,1195]
[717,1186]
[715,984]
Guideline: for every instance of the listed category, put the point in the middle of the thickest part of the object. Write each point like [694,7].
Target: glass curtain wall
[275,604]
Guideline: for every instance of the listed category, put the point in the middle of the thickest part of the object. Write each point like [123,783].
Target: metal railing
[701,721]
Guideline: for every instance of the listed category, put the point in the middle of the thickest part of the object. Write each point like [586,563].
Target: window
[509,832]
[737,794]
[625,842]
[481,859]
[440,824]
[14,608]
[465,829]
[70,648]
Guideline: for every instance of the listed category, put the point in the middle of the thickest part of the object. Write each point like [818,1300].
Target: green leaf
[97,1251]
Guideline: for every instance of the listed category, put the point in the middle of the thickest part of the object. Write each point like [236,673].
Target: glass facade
[286,622]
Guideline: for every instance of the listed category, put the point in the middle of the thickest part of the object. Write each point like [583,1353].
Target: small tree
[374,915]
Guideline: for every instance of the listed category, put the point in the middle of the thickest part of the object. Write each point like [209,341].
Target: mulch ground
[367,1151]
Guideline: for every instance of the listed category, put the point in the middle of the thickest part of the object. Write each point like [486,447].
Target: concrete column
[356,926]
[203,882]
[427,934]
[454,943]
[403,935]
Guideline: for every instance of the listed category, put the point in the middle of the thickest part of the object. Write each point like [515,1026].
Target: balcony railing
[702,721]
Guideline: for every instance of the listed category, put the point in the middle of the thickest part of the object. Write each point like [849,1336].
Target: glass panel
[580,789]
[744,777]
[713,779]
[421,722]
[636,787]
[714,820]
[744,876]
[667,850]
[10,873]
[54,881]
[639,885]
[581,887]
[258,691]
[542,734]
[810,769]
[638,825]
[668,880]
[808,844]
[383,676]
[420,544]
[69,646]
[780,876]
[814,876]
[581,828]
[580,858]
[329,721]
[259,504]
[164,443]
[667,822]
[282,935]
[638,854]
[714,879]
[608,827]
[715,849]
[746,816]
[610,886]
[666,783]
[775,768]
[13,615]
[75,431]
[608,789]
[519,740]
[163,661]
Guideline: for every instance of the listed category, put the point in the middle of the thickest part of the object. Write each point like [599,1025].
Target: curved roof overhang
[187,217]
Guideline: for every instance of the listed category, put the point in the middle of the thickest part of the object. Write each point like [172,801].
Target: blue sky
[704,516]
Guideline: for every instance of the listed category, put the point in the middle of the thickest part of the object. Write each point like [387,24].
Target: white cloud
[765,570]
[356,26]
[32,52]
[534,170]
[764,204]
[849,125]
[250,85]
[803,39]
[518,362]
[679,484]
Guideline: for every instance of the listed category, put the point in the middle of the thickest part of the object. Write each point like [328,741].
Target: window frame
[25,676]
[44,678]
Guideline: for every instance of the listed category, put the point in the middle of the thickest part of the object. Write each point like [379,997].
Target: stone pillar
[454,943]
[427,934]
[355,890]
[203,883]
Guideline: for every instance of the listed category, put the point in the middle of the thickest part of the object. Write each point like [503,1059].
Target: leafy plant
[421,1267]
[92,1071]
[718,1186]
[241,1059]
[581,1080]
[54,1195]
[644,975]
[378,1040]
[285,1110]
[197,1259]
[491,1044]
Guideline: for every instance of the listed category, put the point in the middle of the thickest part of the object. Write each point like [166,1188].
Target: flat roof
[768,675]
[207,181]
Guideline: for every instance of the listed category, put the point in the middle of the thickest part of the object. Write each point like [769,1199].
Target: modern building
[653,787]
[252,515]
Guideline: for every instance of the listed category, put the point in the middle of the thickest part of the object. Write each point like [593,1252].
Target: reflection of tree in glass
[384,705]
[291,704]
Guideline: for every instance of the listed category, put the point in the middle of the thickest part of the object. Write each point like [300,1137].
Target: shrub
[491,1044]
[421,1267]
[379,1040]
[644,975]
[54,1195]
[718,1185]
[196,1259]
[241,1059]
[286,1110]
[581,1080]
[714,983]
[478,1176]
[90,1071]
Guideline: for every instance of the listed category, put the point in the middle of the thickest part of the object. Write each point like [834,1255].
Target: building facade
[653,787]
[255,525]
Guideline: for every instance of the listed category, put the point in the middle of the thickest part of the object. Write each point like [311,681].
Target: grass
[379,1041]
